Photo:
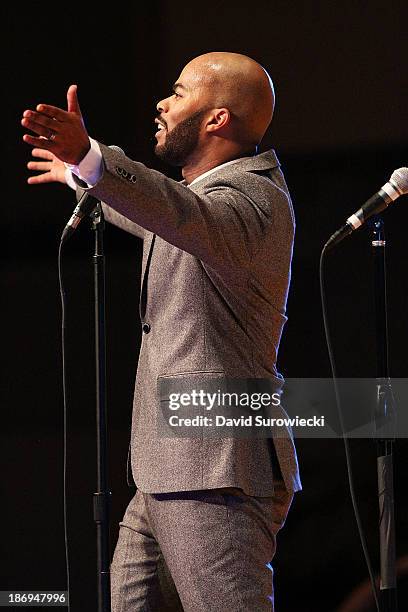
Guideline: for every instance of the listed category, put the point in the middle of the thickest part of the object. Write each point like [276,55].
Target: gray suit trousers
[217,545]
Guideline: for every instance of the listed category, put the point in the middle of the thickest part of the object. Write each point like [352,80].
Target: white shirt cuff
[89,169]
[69,180]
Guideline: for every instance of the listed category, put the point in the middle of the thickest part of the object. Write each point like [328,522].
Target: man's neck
[193,171]
[196,168]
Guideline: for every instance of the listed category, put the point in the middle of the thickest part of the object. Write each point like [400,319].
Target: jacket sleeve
[223,227]
[122,222]
[111,215]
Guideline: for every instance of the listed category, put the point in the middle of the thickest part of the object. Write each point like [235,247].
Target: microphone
[85,207]
[393,189]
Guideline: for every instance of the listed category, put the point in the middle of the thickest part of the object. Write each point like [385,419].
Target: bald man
[215,278]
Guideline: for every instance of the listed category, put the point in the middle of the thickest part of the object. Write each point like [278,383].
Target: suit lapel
[148,244]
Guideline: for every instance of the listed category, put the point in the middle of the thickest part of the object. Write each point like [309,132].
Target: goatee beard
[181,141]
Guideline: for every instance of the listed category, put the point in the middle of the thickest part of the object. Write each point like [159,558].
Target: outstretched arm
[224,227]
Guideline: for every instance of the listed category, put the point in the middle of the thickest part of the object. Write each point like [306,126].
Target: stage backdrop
[340,129]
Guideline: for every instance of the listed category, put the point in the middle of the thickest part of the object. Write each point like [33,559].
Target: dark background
[340,129]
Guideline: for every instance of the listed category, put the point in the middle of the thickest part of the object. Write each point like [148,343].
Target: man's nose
[163,105]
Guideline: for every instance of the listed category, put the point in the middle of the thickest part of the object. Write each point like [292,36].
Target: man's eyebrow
[179,86]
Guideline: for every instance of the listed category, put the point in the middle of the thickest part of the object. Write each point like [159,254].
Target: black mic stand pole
[101,499]
[384,441]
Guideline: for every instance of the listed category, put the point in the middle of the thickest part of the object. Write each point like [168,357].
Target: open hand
[61,132]
[52,169]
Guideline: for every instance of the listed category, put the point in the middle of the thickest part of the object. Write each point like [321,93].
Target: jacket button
[146,328]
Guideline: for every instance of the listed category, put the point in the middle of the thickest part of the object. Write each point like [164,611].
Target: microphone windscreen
[400,179]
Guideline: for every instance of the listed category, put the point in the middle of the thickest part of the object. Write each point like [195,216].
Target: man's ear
[220,118]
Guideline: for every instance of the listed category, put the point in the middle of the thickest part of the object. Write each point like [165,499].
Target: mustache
[162,121]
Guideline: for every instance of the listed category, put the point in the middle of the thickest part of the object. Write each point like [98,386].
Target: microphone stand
[101,499]
[384,441]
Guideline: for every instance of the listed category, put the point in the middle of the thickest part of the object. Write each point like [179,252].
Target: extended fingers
[41,143]
[42,118]
[39,123]
[35,165]
[43,154]
[40,178]
[53,112]
[60,132]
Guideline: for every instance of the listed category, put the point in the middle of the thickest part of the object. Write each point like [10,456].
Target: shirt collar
[228,163]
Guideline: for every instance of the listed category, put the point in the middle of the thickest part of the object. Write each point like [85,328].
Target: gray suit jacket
[215,277]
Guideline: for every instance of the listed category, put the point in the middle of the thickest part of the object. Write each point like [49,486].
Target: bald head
[241,85]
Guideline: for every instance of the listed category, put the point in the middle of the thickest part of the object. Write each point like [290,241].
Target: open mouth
[160,126]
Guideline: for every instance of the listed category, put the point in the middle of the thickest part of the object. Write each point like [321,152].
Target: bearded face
[176,145]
